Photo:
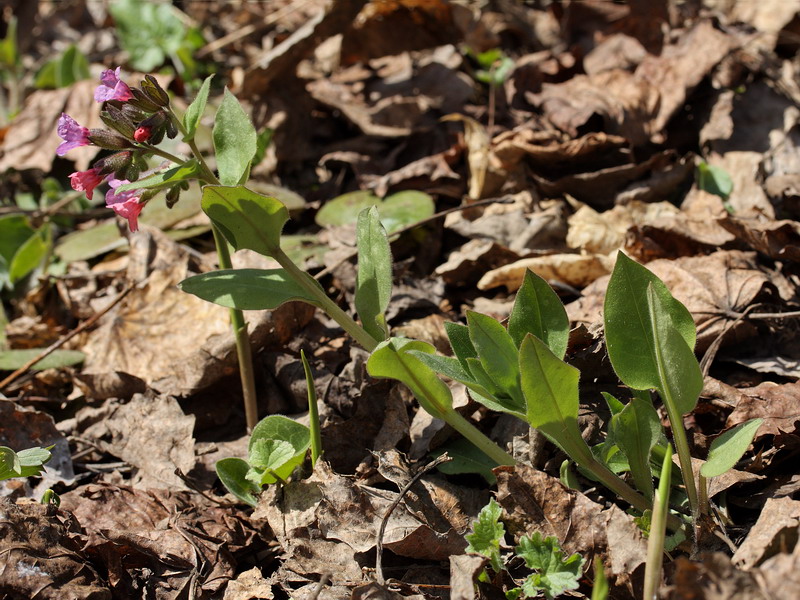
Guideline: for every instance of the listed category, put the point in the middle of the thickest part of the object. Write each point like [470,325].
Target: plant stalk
[655,545]
[242,339]
[684,456]
[313,413]
[478,439]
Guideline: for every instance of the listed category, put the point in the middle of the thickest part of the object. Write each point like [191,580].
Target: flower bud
[154,91]
[142,101]
[134,114]
[151,129]
[114,163]
[131,172]
[173,195]
[142,134]
[172,130]
[108,140]
[118,121]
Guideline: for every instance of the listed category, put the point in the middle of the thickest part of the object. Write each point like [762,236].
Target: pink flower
[86,181]
[142,134]
[112,88]
[125,204]
[74,135]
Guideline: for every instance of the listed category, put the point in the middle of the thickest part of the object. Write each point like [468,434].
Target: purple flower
[112,88]
[74,135]
[86,181]
[125,204]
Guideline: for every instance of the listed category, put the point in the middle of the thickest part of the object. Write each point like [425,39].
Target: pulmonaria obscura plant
[137,121]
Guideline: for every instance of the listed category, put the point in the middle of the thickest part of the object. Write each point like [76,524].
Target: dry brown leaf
[535,501]
[248,585]
[775,531]
[478,153]
[465,264]
[777,404]
[464,571]
[32,138]
[776,239]
[41,555]
[715,578]
[576,270]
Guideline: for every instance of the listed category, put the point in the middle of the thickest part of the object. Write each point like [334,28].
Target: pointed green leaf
[466,458]
[11,360]
[393,359]
[628,323]
[374,274]
[246,289]
[460,343]
[232,472]
[30,254]
[680,379]
[614,405]
[550,387]
[729,447]
[194,112]
[165,178]
[636,429]
[538,310]
[234,140]
[497,352]
[246,219]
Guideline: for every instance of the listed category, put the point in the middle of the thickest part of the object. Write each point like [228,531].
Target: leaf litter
[592,144]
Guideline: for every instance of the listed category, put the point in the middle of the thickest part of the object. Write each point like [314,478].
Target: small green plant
[552,574]
[25,463]
[714,180]
[277,446]
[64,70]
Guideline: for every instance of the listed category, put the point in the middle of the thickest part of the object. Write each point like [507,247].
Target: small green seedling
[25,463]
[552,574]
[277,446]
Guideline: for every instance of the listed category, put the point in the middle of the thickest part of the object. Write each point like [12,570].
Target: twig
[318,589]
[379,545]
[396,234]
[64,339]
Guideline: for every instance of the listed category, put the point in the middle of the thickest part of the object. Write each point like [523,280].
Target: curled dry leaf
[576,270]
[775,529]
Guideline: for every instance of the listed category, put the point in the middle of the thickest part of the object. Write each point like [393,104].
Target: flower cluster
[137,120]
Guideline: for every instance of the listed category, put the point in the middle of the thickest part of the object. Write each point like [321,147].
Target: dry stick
[63,340]
[443,458]
[402,230]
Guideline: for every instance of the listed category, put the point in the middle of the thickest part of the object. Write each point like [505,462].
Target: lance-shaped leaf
[193,114]
[550,387]
[232,472]
[374,274]
[460,343]
[729,447]
[538,310]
[636,429]
[235,141]
[246,219]
[497,353]
[393,359]
[628,323]
[246,289]
[165,178]
[680,380]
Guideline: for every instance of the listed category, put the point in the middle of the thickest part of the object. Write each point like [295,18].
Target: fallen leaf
[777,404]
[774,532]
[534,501]
[576,270]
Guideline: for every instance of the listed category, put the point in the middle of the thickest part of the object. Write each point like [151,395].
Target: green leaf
[89,243]
[14,231]
[396,211]
[714,180]
[538,310]
[232,472]
[34,457]
[70,67]
[614,405]
[26,463]
[374,274]
[194,112]
[679,374]
[30,254]
[234,140]
[274,459]
[149,31]
[466,458]
[393,359]
[628,323]
[246,289]
[460,343]
[246,219]
[9,53]
[555,574]
[11,360]
[636,429]
[550,387]
[600,585]
[497,353]
[729,447]
[487,533]
[185,172]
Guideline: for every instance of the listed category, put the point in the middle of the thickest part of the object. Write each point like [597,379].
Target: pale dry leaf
[577,270]
[779,517]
